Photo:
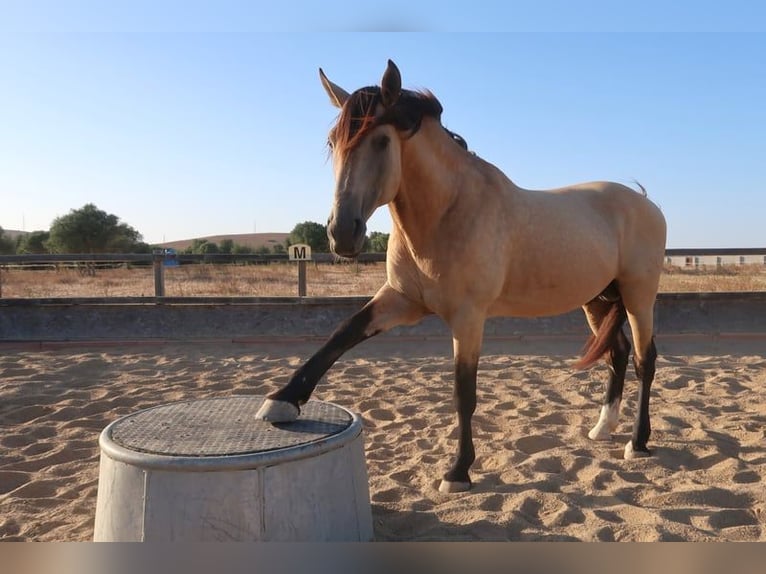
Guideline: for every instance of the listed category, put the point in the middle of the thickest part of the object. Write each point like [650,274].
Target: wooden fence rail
[159,259]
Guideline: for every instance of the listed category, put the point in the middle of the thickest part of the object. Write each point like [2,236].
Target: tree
[35,242]
[378,242]
[208,247]
[239,249]
[314,234]
[226,246]
[91,230]
[201,246]
[7,245]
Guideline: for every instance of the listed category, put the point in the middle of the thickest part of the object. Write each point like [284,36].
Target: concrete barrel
[207,470]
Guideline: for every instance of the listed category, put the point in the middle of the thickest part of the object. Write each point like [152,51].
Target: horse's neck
[431,180]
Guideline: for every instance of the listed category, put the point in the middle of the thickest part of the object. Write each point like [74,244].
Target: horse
[598,246]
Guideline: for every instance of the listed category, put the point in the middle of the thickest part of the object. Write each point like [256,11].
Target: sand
[537,476]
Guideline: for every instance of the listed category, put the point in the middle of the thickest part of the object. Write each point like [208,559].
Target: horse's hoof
[277,411]
[600,432]
[451,487]
[631,454]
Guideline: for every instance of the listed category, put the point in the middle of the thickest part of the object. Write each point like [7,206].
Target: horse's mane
[357,116]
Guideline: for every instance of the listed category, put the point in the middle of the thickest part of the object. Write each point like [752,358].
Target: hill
[253,240]
[14,233]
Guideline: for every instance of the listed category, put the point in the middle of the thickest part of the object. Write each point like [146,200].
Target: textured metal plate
[224,426]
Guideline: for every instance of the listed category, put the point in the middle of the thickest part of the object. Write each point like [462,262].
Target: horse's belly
[543,302]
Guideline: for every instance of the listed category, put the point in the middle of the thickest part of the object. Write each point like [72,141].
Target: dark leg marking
[617,361]
[465,403]
[645,372]
[349,334]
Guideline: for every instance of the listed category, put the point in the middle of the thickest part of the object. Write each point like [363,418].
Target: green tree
[208,247]
[314,234]
[263,250]
[35,242]
[239,249]
[279,248]
[226,246]
[91,230]
[377,242]
[7,245]
[198,246]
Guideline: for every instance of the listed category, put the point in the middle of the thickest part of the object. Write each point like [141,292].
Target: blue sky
[187,121]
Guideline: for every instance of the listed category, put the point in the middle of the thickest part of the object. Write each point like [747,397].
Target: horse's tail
[598,344]
[641,187]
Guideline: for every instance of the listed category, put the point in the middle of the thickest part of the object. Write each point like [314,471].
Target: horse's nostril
[358,223]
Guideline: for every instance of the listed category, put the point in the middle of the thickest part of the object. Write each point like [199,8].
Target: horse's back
[568,244]
[634,220]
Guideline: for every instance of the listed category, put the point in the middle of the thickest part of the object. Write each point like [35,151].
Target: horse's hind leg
[617,361]
[386,310]
[641,320]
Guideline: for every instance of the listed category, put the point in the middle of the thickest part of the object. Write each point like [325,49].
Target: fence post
[301,278]
[301,253]
[158,257]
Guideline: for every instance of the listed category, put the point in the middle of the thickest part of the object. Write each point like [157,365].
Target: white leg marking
[277,411]
[607,422]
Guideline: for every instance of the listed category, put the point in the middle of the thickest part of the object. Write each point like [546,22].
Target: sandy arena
[537,476]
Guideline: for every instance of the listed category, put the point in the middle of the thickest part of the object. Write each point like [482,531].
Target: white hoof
[450,487]
[277,411]
[631,454]
[601,431]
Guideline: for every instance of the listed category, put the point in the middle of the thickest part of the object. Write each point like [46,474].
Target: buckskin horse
[598,246]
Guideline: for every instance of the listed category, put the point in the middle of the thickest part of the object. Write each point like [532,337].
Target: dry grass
[280,279]
[738,278]
[275,279]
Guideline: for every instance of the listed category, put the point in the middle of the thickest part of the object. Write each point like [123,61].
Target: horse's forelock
[356,117]
[358,114]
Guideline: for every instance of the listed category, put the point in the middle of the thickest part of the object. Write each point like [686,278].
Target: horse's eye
[329,143]
[380,143]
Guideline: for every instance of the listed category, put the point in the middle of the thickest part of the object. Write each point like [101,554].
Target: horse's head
[366,149]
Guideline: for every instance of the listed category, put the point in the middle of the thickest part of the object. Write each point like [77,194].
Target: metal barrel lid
[223,433]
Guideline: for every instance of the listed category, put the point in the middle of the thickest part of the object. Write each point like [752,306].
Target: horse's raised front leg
[467,337]
[387,309]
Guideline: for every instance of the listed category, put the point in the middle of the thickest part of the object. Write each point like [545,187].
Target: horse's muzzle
[346,235]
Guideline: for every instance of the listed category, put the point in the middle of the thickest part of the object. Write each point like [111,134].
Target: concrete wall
[248,319]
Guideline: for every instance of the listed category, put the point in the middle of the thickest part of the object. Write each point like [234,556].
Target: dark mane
[358,114]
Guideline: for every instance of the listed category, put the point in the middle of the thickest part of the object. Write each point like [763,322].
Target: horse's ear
[338,95]
[391,85]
